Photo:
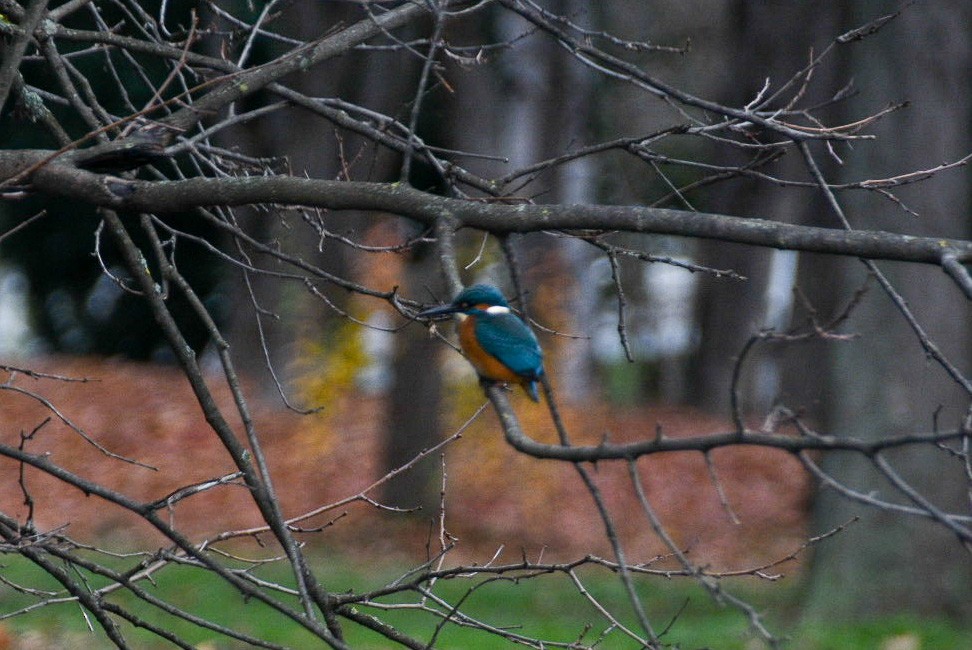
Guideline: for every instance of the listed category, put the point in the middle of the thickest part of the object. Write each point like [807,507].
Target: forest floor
[494,497]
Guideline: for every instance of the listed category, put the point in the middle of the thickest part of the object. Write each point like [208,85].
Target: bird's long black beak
[438,311]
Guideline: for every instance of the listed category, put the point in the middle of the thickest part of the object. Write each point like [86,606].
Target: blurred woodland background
[644,333]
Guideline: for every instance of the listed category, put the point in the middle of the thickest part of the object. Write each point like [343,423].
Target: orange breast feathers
[486,364]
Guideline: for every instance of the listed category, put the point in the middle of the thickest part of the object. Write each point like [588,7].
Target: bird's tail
[531,389]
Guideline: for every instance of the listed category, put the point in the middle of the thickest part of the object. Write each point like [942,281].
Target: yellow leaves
[330,367]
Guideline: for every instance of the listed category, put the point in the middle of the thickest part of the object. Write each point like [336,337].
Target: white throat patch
[497,310]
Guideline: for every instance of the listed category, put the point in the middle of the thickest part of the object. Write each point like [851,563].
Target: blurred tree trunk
[412,423]
[883,383]
[727,314]
[771,41]
[309,144]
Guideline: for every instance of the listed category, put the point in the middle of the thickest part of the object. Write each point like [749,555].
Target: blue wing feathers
[507,338]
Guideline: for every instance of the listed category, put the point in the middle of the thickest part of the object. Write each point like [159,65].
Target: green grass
[548,607]
[908,632]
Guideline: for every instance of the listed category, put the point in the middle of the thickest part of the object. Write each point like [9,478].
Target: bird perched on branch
[499,345]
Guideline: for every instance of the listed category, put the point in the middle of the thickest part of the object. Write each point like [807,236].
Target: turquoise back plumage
[507,338]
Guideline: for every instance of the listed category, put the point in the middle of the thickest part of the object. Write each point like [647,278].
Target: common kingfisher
[497,343]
